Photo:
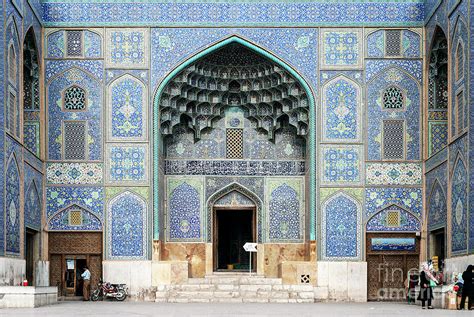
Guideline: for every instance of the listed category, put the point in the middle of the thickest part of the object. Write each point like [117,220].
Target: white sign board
[250,247]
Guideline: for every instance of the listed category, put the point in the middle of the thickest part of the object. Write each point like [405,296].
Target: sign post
[250,247]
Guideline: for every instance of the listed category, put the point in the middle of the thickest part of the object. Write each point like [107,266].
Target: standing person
[426,291]
[86,276]
[468,287]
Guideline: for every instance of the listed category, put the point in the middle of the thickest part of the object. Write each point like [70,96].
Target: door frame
[215,233]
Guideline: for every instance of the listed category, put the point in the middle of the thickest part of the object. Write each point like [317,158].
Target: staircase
[235,289]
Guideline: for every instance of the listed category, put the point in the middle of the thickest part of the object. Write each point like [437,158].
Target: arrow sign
[250,247]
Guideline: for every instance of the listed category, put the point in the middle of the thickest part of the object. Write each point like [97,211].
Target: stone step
[235,280]
[238,293]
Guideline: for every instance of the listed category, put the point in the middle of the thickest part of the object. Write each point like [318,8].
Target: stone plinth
[297,272]
[27,296]
[170,272]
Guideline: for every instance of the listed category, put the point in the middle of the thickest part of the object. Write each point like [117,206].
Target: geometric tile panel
[74,173]
[341,164]
[185,208]
[410,44]
[393,173]
[127,107]
[341,110]
[437,207]
[92,44]
[381,221]
[377,199]
[341,48]
[31,136]
[127,218]
[459,208]
[127,48]
[285,205]
[341,227]
[127,164]
[33,206]
[437,135]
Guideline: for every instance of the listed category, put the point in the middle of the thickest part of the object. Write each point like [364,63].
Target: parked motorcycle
[108,290]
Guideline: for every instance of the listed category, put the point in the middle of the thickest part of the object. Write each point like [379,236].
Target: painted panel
[393,244]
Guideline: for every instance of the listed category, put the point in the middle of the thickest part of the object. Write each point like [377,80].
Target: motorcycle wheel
[121,295]
[95,296]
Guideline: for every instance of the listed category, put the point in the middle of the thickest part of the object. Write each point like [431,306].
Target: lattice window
[74,99]
[12,66]
[74,43]
[393,98]
[460,111]
[234,144]
[393,40]
[393,139]
[75,218]
[12,112]
[459,62]
[393,218]
[305,279]
[75,133]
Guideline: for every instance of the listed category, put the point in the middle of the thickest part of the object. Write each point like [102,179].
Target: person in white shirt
[86,276]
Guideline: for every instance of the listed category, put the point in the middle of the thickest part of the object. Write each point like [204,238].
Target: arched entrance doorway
[233,114]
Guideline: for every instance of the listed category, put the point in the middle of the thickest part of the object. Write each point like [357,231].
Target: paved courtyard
[216,309]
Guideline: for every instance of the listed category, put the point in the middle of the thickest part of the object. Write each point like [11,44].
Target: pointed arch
[74,217]
[33,206]
[460,60]
[312,119]
[341,227]
[437,207]
[12,205]
[242,190]
[127,108]
[459,206]
[127,226]
[347,115]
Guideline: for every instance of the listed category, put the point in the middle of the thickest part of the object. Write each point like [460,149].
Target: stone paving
[110,308]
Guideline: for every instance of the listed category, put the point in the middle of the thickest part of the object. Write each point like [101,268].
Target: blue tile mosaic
[127,227]
[184,212]
[341,164]
[436,184]
[410,199]
[12,206]
[233,13]
[127,163]
[410,113]
[92,45]
[127,109]
[33,184]
[89,198]
[407,221]
[341,48]
[61,221]
[284,211]
[341,224]
[341,110]
[459,208]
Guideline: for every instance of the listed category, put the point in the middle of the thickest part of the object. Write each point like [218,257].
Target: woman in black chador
[468,288]
[426,291]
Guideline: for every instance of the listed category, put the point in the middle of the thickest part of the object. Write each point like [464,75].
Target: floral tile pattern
[127,48]
[127,164]
[127,217]
[393,173]
[341,48]
[74,173]
[341,164]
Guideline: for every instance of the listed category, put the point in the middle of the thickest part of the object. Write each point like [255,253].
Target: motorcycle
[108,290]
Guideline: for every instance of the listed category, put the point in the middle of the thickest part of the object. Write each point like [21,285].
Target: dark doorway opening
[73,280]
[438,246]
[233,228]
[30,255]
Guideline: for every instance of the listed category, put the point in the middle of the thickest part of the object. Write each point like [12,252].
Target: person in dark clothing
[468,288]
[426,292]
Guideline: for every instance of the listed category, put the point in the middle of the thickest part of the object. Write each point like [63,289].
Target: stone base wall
[345,281]
[136,274]
[27,296]
[457,265]
[12,271]
[42,273]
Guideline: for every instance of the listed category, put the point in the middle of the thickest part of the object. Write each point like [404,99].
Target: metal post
[250,264]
